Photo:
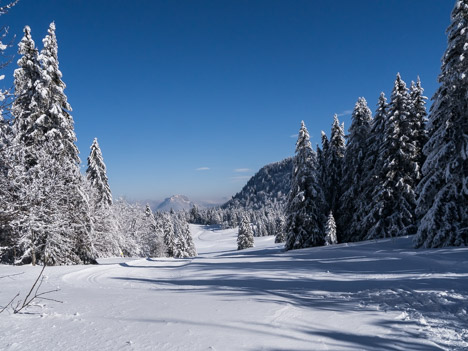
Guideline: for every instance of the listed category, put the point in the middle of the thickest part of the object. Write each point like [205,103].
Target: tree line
[49,211]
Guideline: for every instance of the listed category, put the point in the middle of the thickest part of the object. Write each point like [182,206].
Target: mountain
[175,202]
[269,186]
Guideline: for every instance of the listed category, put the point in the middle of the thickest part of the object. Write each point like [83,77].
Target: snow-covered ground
[366,296]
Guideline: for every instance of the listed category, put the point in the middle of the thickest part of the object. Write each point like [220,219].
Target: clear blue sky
[172,86]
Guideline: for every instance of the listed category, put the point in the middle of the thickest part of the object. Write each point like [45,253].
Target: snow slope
[365,296]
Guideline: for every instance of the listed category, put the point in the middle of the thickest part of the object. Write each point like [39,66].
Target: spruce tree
[350,209]
[245,238]
[185,247]
[169,235]
[28,104]
[330,231]
[394,194]
[373,175]
[333,154]
[418,115]
[443,191]
[96,175]
[304,211]
[42,122]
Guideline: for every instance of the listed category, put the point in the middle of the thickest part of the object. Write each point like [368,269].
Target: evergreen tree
[304,224]
[185,246]
[169,235]
[55,121]
[41,122]
[394,194]
[350,208]
[26,108]
[245,238]
[333,153]
[443,191]
[418,120]
[373,174]
[96,175]
[330,231]
[280,236]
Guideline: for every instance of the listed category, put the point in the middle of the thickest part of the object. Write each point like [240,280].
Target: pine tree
[394,194]
[169,235]
[350,208]
[304,224]
[373,175]
[333,153]
[443,191]
[418,115]
[96,175]
[56,121]
[245,238]
[26,108]
[280,236]
[330,231]
[185,246]
[41,122]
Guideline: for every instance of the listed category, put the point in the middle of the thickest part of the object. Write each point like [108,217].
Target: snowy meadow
[375,295]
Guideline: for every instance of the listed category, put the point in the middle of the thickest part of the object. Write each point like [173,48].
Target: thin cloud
[294,135]
[345,113]
[242,170]
[203,169]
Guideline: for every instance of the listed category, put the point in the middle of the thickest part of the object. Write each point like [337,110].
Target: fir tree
[394,194]
[185,246]
[330,231]
[418,120]
[280,236]
[245,238]
[443,191]
[55,121]
[373,174]
[41,122]
[333,153]
[304,224]
[169,235]
[26,108]
[96,175]
[350,208]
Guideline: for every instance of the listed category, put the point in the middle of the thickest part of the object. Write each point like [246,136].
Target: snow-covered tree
[185,247]
[169,235]
[304,211]
[28,106]
[394,194]
[42,123]
[350,206]
[245,238]
[97,176]
[330,231]
[443,191]
[333,154]
[151,236]
[373,174]
[280,236]
[418,117]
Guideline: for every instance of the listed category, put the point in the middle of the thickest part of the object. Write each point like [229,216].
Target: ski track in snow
[365,296]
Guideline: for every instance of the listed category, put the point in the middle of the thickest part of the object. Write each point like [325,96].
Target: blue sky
[193,97]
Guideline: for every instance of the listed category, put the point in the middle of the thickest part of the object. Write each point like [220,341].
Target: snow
[375,295]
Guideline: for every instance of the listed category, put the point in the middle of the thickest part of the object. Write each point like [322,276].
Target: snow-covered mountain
[270,185]
[176,203]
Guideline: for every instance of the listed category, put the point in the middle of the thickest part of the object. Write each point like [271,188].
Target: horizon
[194,98]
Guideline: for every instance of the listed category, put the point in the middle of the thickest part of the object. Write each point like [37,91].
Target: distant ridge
[269,186]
